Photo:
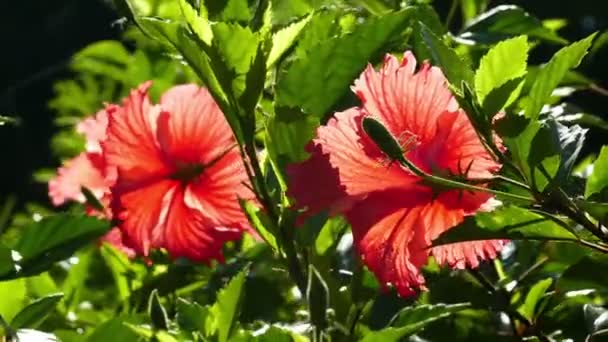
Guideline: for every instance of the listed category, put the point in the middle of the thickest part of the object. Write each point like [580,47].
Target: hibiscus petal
[389,235]
[115,238]
[438,218]
[192,128]
[407,102]
[85,170]
[94,130]
[216,192]
[143,213]
[457,148]
[190,234]
[345,166]
[131,144]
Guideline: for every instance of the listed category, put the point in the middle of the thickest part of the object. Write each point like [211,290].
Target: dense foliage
[308,100]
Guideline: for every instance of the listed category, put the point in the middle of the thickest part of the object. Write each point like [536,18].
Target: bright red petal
[436,218]
[192,128]
[86,170]
[131,141]
[144,212]
[94,130]
[190,234]
[457,148]
[407,102]
[215,193]
[389,235]
[345,166]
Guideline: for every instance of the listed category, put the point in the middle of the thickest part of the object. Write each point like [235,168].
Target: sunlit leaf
[553,72]
[227,307]
[598,181]
[36,312]
[507,222]
[412,320]
[535,294]
[504,62]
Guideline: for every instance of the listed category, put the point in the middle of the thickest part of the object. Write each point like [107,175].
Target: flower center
[187,172]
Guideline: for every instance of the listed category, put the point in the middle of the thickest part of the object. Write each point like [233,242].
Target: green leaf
[317,81]
[598,210]
[52,239]
[284,39]
[413,319]
[261,223]
[535,294]
[375,7]
[114,330]
[503,22]
[504,62]
[197,23]
[553,72]
[192,317]
[507,222]
[330,234]
[157,313]
[36,312]
[502,97]
[598,180]
[585,274]
[13,294]
[227,307]
[454,68]
[317,295]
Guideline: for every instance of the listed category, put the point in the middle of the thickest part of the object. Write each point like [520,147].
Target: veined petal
[192,128]
[345,165]
[191,234]
[131,144]
[143,212]
[457,148]
[389,236]
[94,130]
[85,170]
[407,102]
[215,193]
[436,218]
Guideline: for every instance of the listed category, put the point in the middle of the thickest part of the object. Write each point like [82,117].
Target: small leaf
[227,307]
[329,235]
[192,317]
[261,223]
[413,319]
[36,312]
[284,39]
[536,293]
[598,181]
[506,21]
[157,312]
[553,72]
[454,68]
[198,24]
[317,295]
[504,62]
[507,222]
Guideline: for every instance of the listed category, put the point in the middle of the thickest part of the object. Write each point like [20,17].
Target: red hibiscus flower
[395,216]
[179,173]
[89,170]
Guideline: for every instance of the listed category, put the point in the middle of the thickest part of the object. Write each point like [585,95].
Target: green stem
[448,183]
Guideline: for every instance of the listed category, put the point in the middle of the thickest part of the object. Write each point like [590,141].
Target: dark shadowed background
[39,36]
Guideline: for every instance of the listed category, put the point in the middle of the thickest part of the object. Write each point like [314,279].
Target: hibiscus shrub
[317,170]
